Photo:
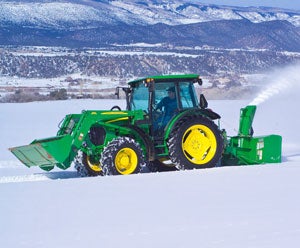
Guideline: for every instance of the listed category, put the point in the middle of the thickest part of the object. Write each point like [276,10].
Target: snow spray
[281,81]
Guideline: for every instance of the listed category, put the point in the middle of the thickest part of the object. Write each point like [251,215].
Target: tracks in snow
[23,178]
[39,177]
[18,174]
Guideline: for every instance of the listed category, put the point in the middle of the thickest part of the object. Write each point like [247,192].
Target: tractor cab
[163,97]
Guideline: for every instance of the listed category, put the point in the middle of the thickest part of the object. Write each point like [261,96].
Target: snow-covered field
[227,207]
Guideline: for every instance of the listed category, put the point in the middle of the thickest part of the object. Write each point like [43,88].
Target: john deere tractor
[156,132]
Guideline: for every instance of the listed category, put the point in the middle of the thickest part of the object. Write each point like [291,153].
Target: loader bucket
[46,153]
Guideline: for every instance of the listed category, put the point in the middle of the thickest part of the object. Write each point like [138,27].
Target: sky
[288,4]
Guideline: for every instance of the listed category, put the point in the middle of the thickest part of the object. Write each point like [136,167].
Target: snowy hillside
[73,13]
[225,207]
[177,23]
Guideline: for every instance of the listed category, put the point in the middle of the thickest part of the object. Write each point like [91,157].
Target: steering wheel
[157,114]
[116,107]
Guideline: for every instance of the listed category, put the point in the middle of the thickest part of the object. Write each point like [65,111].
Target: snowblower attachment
[244,149]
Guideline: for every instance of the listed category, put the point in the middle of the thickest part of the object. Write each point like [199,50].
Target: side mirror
[117,92]
[198,80]
[203,102]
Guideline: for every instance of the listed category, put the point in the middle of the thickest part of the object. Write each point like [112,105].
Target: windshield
[139,98]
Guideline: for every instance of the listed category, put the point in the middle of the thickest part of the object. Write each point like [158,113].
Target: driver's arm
[160,104]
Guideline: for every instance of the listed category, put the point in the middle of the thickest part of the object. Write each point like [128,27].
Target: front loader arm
[72,136]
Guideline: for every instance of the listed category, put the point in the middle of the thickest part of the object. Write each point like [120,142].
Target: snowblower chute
[164,127]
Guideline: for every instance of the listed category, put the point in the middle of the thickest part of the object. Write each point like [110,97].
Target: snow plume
[278,108]
[284,80]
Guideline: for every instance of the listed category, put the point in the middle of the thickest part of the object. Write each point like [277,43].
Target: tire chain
[82,171]
[111,147]
[172,151]
[171,144]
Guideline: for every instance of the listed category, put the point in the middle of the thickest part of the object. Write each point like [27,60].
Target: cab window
[139,98]
[187,95]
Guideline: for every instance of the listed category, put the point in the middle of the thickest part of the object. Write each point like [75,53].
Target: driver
[168,105]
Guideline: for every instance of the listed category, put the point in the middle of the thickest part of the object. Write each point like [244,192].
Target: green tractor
[164,127]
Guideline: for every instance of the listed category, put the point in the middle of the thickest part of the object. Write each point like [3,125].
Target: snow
[226,207]
[59,82]
[48,13]
[83,14]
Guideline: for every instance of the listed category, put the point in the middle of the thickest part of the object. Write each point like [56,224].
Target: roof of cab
[164,78]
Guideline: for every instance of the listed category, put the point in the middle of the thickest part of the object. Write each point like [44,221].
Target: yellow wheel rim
[126,161]
[199,144]
[94,166]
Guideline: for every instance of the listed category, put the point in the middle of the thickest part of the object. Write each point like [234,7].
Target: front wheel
[195,142]
[122,156]
[87,165]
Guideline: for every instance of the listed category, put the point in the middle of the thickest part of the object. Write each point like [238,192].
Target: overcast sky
[289,4]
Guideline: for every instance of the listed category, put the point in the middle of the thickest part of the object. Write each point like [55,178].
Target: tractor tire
[195,142]
[122,156]
[85,166]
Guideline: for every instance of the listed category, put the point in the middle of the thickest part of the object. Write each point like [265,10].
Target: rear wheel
[122,156]
[195,142]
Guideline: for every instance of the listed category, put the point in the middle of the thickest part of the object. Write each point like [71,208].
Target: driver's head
[171,92]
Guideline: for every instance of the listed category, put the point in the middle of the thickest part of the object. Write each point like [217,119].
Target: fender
[211,114]
[196,111]
[149,146]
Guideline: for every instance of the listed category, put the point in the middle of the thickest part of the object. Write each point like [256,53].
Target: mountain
[75,41]
[94,23]
[84,14]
